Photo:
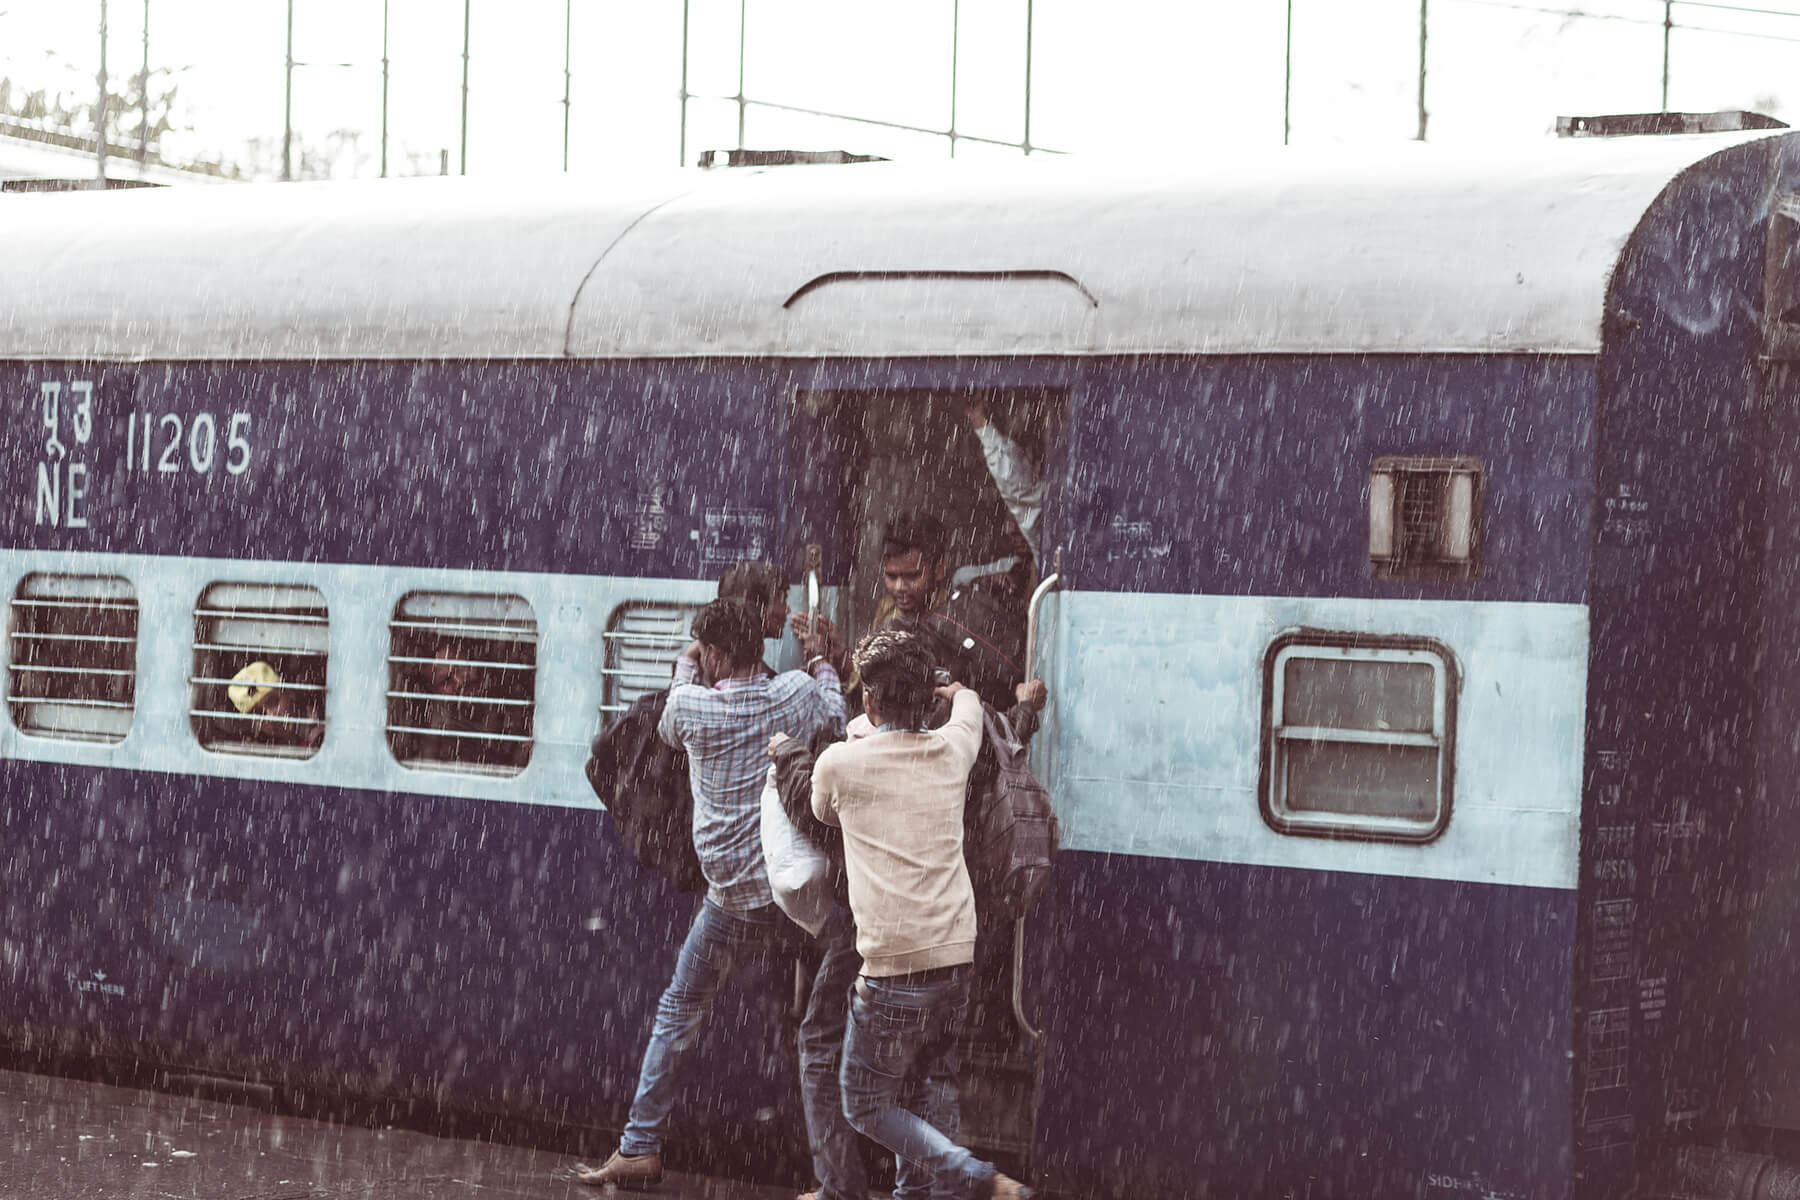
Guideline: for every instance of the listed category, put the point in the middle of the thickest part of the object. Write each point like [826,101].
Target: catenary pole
[144,98]
[568,77]
[743,21]
[462,149]
[685,9]
[1424,22]
[287,114]
[100,110]
[1668,28]
[1287,80]
[955,48]
[384,88]
[1030,15]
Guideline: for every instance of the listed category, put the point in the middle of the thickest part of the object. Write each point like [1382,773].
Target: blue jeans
[836,1149]
[716,942]
[899,1079]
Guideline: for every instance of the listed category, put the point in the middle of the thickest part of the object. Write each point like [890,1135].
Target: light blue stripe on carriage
[1154,739]
[1151,745]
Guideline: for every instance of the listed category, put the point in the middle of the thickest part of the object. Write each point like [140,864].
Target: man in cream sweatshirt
[898,796]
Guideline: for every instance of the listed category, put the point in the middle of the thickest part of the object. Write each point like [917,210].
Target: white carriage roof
[1402,250]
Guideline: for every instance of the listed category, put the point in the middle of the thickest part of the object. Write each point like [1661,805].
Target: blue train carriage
[1420,543]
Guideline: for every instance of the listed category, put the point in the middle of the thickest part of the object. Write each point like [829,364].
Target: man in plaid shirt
[725,730]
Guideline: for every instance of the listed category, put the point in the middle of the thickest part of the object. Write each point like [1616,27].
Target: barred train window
[260,653]
[462,682]
[1358,740]
[73,657]
[643,640]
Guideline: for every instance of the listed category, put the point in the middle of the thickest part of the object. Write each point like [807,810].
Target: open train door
[864,456]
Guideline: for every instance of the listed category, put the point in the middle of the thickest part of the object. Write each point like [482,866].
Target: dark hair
[914,531]
[733,626]
[897,672]
[757,582]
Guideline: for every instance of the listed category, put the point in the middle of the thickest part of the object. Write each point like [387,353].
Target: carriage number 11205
[150,438]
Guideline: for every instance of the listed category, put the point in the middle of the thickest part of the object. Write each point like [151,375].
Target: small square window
[74,657]
[260,653]
[1425,517]
[1358,737]
[462,682]
[643,640]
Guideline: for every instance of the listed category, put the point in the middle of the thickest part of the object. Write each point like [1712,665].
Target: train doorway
[983,462]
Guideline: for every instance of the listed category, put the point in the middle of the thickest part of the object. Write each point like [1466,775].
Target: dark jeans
[899,1078]
[836,1151]
[716,943]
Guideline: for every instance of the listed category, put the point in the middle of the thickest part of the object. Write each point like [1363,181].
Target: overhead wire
[1625,19]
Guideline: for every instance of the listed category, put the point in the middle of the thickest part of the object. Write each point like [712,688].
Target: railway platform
[70,1139]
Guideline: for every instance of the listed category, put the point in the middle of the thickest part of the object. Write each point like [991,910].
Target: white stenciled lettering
[51,394]
[78,473]
[49,492]
[201,441]
[203,436]
[168,462]
[83,420]
[237,444]
[62,485]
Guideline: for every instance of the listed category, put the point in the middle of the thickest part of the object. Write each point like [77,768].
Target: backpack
[643,781]
[1010,834]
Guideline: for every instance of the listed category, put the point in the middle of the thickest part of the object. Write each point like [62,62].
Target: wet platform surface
[65,1139]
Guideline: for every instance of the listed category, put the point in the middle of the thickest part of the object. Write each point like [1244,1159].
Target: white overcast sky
[1145,78]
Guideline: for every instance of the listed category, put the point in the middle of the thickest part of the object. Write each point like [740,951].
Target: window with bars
[1358,737]
[643,640]
[260,657]
[73,660]
[1425,517]
[462,682]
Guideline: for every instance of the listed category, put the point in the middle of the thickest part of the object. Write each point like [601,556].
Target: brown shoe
[1007,1188]
[633,1172]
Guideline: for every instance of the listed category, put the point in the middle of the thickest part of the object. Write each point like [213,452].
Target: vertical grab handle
[1018,955]
[1031,614]
[814,558]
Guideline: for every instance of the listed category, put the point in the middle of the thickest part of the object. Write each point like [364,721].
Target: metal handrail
[112,639]
[230,648]
[1043,589]
[519,630]
[282,686]
[1031,612]
[486,664]
[70,702]
[460,698]
[25,667]
[467,734]
[105,605]
[279,616]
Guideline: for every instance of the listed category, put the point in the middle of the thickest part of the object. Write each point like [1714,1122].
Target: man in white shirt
[898,796]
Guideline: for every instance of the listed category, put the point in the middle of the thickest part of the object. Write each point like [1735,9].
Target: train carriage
[1418,642]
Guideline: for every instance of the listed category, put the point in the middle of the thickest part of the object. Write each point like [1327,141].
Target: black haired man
[898,795]
[962,632]
[725,730]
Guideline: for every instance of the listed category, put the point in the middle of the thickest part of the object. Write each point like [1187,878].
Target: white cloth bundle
[799,872]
